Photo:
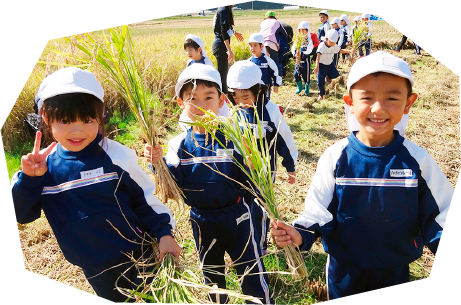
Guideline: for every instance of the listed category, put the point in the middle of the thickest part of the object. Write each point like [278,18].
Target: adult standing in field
[223,23]
[285,46]
[270,28]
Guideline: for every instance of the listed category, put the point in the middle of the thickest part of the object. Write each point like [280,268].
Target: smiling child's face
[74,136]
[378,103]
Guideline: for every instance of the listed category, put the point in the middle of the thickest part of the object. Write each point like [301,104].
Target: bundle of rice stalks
[114,60]
[359,36]
[172,283]
[298,40]
[255,151]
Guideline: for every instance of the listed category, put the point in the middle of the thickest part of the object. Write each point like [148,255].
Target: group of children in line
[325,49]
[376,198]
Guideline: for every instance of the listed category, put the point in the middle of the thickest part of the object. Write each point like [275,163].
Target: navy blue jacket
[77,197]
[189,158]
[270,72]
[274,126]
[376,207]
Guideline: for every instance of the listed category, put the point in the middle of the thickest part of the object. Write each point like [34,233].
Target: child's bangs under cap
[244,74]
[378,61]
[69,80]
[198,71]
[198,41]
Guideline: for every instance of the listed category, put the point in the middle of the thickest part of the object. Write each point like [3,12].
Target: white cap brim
[69,80]
[198,71]
[378,61]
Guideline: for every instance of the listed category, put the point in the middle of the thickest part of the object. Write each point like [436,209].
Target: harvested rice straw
[256,153]
[115,61]
[298,40]
[170,281]
[358,35]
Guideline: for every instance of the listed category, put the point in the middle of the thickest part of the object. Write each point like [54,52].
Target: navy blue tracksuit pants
[324,71]
[122,273]
[367,44]
[345,279]
[260,220]
[303,71]
[230,230]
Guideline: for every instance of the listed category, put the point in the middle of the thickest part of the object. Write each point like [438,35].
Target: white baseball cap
[365,15]
[244,74]
[332,35]
[197,71]
[357,18]
[336,20]
[324,12]
[256,37]
[197,40]
[303,25]
[378,61]
[344,17]
[69,80]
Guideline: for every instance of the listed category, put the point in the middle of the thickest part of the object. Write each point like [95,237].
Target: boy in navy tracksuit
[246,91]
[270,72]
[376,198]
[220,218]
[303,66]
[335,24]
[325,26]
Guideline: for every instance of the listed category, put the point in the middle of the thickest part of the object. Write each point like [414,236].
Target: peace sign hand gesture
[34,163]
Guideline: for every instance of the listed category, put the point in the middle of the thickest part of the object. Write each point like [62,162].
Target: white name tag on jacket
[401,173]
[92,173]
[225,153]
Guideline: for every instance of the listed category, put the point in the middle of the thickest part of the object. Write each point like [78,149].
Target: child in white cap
[346,32]
[269,70]
[376,198]
[195,49]
[325,26]
[325,66]
[365,19]
[245,90]
[302,63]
[74,182]
[336,25]
[211,182]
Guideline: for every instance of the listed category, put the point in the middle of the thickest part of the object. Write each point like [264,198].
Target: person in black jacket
[222,23]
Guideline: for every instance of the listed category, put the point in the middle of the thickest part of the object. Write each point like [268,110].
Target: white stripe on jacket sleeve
[273,66]
[436,181]
[283,129]
[127,160]
[322,188]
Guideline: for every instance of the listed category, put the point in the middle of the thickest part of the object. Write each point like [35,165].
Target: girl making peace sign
[98,200]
